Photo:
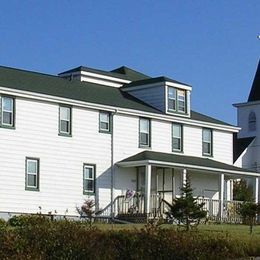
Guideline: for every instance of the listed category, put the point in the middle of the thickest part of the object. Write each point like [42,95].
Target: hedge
[36,237]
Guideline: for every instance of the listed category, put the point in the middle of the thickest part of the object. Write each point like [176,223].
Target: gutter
[181,165]
[124,111]
[112,163]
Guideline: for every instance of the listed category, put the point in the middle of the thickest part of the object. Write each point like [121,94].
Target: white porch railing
[136,206]
[230,210]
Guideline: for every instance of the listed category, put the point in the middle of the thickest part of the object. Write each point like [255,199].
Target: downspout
[112,164]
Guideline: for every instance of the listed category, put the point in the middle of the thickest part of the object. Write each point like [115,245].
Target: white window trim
[208,142]
[28,160]
[184,101]
[108,122]
[66,120]
[89,166]
[177,137]
[176,99]
[8,111]
[148,132]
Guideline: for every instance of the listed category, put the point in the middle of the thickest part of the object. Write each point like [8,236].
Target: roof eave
[180,165]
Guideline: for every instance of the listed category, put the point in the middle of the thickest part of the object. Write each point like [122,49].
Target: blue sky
[211,45]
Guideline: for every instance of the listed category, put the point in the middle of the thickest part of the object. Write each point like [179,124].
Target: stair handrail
[111,204]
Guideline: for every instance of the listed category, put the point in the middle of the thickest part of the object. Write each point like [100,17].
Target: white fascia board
[180,165]
[100,76]
[158,84]
[118,110]
[179,119]
[54,99]
[177,85]
[244,104]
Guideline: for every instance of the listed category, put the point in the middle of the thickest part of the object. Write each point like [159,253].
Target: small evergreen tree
[186,210]
[249,211]
[87,210]
[241,191]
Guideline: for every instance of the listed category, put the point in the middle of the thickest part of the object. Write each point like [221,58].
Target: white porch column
[256,189]
[184,177]
[148,174]
[221,194]
[231,189]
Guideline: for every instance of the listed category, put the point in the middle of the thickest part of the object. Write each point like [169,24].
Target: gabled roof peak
[132,74]
[255,89]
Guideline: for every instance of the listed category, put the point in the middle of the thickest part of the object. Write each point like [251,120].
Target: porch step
[133,218]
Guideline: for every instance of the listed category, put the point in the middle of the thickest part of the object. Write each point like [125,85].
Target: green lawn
[232,229]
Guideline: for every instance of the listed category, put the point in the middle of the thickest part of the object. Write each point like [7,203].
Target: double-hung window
[176,100]
[181,101]
[144,132]
[89,174]
[65,120]
[105,122]
[177,138]
[171,99]
[207,139]
[7,111]
[252,121]
[32,174]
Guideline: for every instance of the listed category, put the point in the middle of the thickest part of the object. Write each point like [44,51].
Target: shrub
[185,209]
[36,237]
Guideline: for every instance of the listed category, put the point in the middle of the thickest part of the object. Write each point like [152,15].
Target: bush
[39,238]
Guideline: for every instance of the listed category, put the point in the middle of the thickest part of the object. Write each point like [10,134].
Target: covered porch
[159,177]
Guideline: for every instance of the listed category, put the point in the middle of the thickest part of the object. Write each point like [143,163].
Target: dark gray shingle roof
[81,91]
[151,81]
[121,72]
[182,159]
[240,144]
[131,74]
[255,89]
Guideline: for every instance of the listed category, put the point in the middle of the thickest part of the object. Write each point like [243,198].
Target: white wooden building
[247,141]
[88,133]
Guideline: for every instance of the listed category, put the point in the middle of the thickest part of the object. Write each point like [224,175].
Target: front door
[166,183]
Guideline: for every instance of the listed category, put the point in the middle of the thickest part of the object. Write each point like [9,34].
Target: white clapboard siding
[62,158]
[192,141]
[223,146]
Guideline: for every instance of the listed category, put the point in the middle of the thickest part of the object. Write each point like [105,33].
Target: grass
[236,230]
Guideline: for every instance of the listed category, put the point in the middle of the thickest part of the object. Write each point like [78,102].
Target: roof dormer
[114,78]
[167,95]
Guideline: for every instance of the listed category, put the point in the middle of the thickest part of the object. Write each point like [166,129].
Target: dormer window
[176,100]
[252,121]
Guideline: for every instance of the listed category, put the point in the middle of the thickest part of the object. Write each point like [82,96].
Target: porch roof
[176,160]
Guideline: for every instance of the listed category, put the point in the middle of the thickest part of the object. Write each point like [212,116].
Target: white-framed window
[171,99]
[7,111]
[207,141]
[89,176]
[105,122]
[181,96]
[176,100]
[252,121]
[32,174]
[144,132]
[177,137]
[65,120]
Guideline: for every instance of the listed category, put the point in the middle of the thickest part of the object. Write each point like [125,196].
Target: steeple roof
[255,89]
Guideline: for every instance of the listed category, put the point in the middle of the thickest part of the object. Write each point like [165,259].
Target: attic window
[252,121]
[176,100]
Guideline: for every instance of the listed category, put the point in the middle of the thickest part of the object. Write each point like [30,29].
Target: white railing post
[148,173]
[256,189]
[184,177]
[221,195]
